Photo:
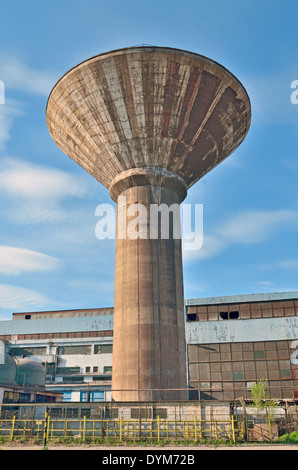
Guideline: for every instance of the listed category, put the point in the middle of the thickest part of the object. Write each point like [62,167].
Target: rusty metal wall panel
[226,371]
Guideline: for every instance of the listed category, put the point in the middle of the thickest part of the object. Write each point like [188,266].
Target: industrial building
[231,343]
[22,380]
[148,123]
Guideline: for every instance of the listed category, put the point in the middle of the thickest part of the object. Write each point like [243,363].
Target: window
[87,369]
[103,349]
[141,413]
[285,373]
[16,397]
[191,317]
[224,315]
[79,349]
[67,370]
[259,354]
[27,317]
[72,379]
[160,412]
[95,369]
[66,396]
[238,375]
[107,369]
[92,396]
[232,315]
[28,351]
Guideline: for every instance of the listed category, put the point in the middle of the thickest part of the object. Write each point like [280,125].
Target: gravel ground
[151,449]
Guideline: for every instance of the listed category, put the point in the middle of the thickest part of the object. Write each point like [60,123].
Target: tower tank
[8,371]
[30,372]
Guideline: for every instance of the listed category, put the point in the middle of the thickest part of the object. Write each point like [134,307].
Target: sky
[50,257]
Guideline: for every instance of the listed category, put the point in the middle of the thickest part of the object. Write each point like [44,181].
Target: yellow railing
[119,429]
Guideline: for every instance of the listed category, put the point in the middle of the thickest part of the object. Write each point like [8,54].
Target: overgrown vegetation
[260,398]
[291,438]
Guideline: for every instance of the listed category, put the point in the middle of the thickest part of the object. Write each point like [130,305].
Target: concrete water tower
[148,123]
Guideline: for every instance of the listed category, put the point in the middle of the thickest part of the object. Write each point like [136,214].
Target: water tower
[148,123]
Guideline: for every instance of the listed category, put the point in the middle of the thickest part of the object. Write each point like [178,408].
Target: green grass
[291,438]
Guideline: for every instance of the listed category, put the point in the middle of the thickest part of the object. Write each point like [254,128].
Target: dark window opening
[224,315]
[27,317]
[234,315]
[191,317]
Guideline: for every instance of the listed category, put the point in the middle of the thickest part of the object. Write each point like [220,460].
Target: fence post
[195,425]
[49,423]
[12,427]
[270,427]
[84,429]
[158,429]
[45,430]
[120,424]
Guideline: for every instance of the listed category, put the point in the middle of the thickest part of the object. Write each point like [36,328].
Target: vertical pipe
[12,427]
[45,429]
[120,426]
[84,429]
[233,428]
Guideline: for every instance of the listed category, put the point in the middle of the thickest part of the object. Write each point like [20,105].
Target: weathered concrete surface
[268,329]
[149,334]
[148,107]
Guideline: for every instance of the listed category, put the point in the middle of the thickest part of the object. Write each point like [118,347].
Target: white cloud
[255,226]
[266,283]
[14,260]
[17,75]
[271,97]
[8,112]
[247,227]
[284,264]
[30,181]
[289,264]
[36,191]
[212,245]
[20,299]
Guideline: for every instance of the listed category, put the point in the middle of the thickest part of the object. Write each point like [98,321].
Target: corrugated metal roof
[243,298]
[56,325]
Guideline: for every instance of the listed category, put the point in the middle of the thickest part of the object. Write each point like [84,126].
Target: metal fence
[119,422]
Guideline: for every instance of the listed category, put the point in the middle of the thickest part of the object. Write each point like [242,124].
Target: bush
[289,438]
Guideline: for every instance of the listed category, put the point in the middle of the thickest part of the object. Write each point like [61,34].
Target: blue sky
[50,257]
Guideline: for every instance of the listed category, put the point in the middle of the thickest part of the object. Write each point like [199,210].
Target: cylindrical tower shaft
[149,303]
